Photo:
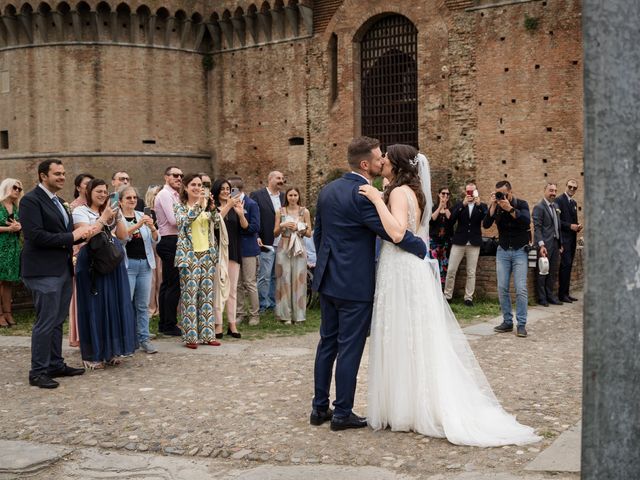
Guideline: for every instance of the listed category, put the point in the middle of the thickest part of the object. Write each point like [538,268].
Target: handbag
[489,247]
[104,254]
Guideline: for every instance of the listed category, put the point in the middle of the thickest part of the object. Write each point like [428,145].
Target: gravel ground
[251,405]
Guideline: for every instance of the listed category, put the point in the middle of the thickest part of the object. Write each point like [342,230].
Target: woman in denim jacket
[142,235]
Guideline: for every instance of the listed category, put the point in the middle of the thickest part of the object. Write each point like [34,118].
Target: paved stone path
[241,411]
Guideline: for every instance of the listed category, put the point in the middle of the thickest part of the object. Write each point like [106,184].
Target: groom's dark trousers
[345,239]
[345,323]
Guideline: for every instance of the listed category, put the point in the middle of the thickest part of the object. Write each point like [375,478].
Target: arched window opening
[389,76]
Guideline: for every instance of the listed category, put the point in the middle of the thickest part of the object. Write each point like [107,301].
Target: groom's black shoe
[318,417]
[352,421]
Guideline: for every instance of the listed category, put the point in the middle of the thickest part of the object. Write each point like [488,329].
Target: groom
[345,240]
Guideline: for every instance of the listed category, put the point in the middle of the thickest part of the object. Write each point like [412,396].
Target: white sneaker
[147,347]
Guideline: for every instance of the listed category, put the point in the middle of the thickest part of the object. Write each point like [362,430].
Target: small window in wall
[333,66]
[4,139]
[293,141]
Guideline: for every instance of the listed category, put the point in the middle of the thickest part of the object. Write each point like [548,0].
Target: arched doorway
[389,76]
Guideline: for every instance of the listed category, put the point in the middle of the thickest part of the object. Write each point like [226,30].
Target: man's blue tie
[62,210]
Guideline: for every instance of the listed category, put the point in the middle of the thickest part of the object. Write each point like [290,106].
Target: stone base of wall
[487,285]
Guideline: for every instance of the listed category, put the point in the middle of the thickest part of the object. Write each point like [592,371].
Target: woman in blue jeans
[141,261]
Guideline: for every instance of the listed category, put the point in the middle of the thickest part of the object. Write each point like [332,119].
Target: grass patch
[482,310]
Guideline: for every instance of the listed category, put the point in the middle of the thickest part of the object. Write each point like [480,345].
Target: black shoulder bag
[104,254]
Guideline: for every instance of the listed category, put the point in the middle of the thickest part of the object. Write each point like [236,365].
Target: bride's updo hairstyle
[404,166]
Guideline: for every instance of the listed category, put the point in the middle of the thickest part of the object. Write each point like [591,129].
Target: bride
[423,375]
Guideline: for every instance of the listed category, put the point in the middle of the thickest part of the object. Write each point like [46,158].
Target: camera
[500,196]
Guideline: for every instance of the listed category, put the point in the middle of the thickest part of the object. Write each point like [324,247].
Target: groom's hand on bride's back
[414,244]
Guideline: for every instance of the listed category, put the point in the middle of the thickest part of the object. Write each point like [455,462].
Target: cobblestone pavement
[247,403]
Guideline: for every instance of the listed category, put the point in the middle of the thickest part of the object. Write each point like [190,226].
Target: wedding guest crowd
[197,252]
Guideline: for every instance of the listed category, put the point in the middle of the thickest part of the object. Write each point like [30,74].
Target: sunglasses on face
[177,175]
[124,179]
[571,187]
[17,188]
[446,194]
[131,198]
[206,184]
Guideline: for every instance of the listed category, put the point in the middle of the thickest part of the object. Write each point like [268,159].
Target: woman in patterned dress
[440,233]
[196,256]
[10,195]
[293,222]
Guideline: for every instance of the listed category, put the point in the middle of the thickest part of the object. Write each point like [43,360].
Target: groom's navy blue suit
[345,239]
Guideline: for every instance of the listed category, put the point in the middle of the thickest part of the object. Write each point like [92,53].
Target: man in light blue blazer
[345,238]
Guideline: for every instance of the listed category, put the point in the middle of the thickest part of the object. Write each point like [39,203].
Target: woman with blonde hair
[293,222]
[142,235]
[10,195]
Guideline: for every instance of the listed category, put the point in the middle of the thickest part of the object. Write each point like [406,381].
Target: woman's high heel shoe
[219,335]
[233,334]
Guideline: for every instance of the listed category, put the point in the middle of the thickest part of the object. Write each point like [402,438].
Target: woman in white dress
[423,376]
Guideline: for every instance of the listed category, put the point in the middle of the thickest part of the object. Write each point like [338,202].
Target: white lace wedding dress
[423,376]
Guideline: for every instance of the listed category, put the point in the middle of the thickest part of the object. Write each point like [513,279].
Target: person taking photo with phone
[196,258]
[511,216]
[467,215]
[142,235]
[228,203]
[106,322]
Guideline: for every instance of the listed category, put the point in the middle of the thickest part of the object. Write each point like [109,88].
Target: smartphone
[11,217]
[113,200]
[469,193]
[235,192]
[147,211]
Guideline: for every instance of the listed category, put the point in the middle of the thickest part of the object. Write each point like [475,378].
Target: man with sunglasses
[121,178]
[169,294]
[570,229]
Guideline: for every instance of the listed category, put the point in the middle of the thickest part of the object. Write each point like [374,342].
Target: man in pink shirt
[169,294]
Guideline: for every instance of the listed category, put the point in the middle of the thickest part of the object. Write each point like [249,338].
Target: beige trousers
[248,287]
[455,257]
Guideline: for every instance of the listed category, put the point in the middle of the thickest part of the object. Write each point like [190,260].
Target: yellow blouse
[200,233]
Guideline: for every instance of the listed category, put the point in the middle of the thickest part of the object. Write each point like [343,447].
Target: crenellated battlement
[195,31]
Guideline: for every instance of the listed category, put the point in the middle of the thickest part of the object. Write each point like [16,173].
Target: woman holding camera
[142,235]
[106,323]
[293,222]
[231,209]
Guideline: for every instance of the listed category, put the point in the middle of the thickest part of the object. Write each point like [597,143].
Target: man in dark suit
[250,251]
[345,240]
[466,241]
[269,200]
[548,238]
[570,229]
[47,271]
